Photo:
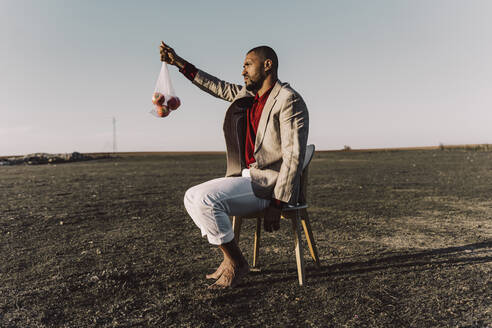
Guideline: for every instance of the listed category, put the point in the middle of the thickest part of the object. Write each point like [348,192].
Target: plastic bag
[164,88]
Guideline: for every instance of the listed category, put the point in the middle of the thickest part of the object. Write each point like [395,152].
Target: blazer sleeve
[216,87]
[294,128]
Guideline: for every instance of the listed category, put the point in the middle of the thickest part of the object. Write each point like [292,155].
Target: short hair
[267,53]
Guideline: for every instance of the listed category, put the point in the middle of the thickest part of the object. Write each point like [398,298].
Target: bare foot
[218,272]
[231,276]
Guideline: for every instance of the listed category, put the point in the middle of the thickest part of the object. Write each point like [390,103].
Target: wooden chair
[298,216]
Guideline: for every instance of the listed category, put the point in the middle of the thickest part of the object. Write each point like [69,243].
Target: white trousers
[211,203]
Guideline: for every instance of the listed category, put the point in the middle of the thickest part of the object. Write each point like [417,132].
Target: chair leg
[236,227]
[310,238]
[256,250]
[298,243]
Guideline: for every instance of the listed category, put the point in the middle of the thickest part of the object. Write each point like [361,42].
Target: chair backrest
[302,199]
[308,156]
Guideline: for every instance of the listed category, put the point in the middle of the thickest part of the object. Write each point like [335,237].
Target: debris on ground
[46,158]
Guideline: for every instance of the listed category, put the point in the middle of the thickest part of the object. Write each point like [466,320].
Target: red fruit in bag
[162,111]
[173,103]
[158,98]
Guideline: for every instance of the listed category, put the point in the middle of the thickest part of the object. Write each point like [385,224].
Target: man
[266,130]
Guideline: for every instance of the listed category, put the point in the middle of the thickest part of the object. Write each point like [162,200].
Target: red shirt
[253,115]
[189,70]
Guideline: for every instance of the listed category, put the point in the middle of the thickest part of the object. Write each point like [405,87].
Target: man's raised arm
[208,83]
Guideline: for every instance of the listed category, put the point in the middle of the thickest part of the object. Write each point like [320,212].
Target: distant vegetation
[475,147]
[478,147]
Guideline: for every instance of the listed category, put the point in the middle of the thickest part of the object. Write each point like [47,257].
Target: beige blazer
[281,138]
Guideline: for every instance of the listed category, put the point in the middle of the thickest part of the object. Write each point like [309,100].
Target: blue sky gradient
[373,73]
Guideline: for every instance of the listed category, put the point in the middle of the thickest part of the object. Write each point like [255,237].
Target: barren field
[405,240]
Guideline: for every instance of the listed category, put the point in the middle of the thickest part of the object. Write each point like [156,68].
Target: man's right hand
[169,56]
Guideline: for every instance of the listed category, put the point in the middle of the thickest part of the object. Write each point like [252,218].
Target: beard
[254,86]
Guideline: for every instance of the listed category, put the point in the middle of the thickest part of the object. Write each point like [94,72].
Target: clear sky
[379,73]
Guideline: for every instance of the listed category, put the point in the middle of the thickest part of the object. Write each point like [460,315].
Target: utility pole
[114,134]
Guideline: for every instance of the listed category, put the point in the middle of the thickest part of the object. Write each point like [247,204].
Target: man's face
[253,72]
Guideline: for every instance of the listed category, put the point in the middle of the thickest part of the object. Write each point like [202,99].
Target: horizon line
[345,149]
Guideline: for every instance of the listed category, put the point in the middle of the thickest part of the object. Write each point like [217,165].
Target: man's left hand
[272,218]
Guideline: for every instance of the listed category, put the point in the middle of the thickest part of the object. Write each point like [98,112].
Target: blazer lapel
[265,115]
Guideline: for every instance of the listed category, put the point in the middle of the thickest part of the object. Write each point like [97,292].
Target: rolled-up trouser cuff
[220,240]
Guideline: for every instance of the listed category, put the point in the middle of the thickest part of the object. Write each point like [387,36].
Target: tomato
[158,98]
[162,111]
[173,103]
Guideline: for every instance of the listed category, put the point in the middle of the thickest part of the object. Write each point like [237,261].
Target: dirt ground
[405,240]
